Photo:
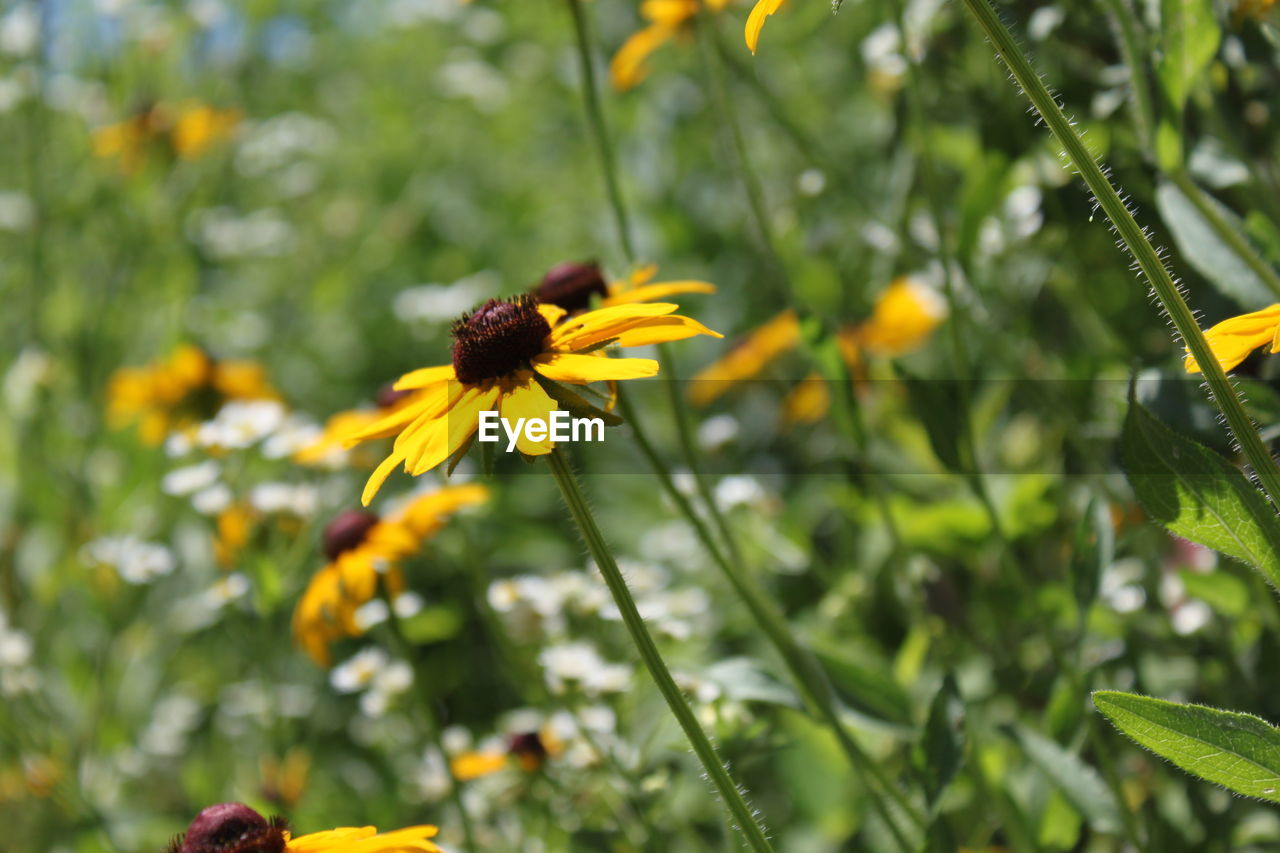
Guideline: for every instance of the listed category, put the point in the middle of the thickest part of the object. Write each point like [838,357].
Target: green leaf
[1238,751]
[865,687]
[1205,251]
[942,747]
[1197,494]
[1077,781]
[1189,39]
[938,403]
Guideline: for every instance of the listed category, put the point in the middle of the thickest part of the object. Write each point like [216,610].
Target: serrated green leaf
[1200,247]
[1238,751]
[1189,36]
[1077,781]
[1197,494]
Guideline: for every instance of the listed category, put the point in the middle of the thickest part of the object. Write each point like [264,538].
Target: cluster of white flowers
[134,560]
[227,235]
[241,424]
[578,666]
[296,499]
[375,676]
[16,673]
[202,609]
[440,303]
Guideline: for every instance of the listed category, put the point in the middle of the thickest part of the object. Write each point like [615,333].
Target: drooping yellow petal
[473,765]
[651,292]
[528,400]
[429,448]
[379,476]
[755,21]
[604,323]
[1234,338]
[629,65]
[747,359]
[365,839]
[581,369]
[904,316]
[464,417]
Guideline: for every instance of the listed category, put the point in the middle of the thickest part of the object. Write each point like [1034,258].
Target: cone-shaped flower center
[527,745]
[232,828]
[498,338]
[571,286]
[347,531]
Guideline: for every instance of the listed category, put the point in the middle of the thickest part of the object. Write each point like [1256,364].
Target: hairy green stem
[599,130]
[1135,240]
[743,817]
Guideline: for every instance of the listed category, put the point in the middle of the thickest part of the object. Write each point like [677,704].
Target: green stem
[1226,233]
[1135,240]
[600,131]
[744,818]
[806,672]
[421,678]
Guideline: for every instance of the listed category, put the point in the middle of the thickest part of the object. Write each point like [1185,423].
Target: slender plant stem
[1225,231]
[436,725]
[599,130]
[743,817]
[1132,52]
[1135,240]
[806,672]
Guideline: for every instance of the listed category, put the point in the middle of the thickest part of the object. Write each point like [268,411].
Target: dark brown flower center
[498,338]
[571,286]
[347,531]
[231,828]
[527,745]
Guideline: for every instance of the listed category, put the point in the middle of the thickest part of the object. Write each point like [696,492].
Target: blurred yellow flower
[501,354]
[576,286]
[530,750]
[188,387]
[331,444]
[1233,339]
[361,547]
[285,780]
[904,316]
[231,533]
[667,19]
[186,131]
[755,21]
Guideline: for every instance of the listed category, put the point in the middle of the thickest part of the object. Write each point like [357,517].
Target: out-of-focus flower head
[363,550]
[666,19]
[186,131]
[181,391]
[575,287]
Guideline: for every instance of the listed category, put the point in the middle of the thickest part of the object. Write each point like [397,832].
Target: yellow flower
[361,547]
[247,830]
[576,286]
[1256,9]
[232,530]
[187,131]
[904,316]
[502,354]
[755,21]
[530,750]
[187,388]
[1234,338]
[667,19]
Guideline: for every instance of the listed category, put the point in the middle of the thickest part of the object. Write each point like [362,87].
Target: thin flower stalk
[744,818]
[1135,240]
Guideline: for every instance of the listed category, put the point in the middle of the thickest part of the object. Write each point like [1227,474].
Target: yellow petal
[379,476]
[747,358]
[628,66]
[430,448]
[581,369]
[1234,338]
[528,400]
[473,765]
[604,323]
[755,21]
[428,405]
[464,417]
[904,316]
[662,329]
[424,376]
[551,313]
[661,290]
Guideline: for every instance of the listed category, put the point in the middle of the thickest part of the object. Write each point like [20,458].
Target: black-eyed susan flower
[755,21]
[1234,338]
[187,131]
[904,316]
[527,750]
[666,19]
[236,828]
[503,353]
[578,286]
[361,548]
[187,388]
